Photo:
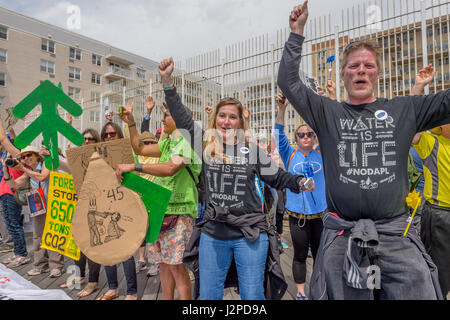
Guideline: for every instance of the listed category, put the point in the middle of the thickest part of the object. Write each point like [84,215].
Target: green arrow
[49,123]
[155,198]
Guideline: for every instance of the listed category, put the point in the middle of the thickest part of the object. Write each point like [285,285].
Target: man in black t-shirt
[364,143]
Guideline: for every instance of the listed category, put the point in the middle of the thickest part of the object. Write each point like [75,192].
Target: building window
[1,100]
[97,60]
[3,32]
[140,73]
[95,96]
[47,66]
[95,78]
[74,92]
[2,79]
[75,54]
[94,116]
[2,55]
[74,73]
[48,45]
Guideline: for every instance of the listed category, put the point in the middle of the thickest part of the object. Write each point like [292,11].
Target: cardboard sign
[62,200]
[110,220]
[36,202]
[113,152]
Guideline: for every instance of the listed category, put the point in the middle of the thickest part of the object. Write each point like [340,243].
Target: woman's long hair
[213,142]
[93,133]
[116,127]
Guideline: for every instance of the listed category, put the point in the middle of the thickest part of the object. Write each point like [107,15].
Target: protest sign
[155,198]
[62,200]
[36,202]
[113,152]
[110,220]
[49,123]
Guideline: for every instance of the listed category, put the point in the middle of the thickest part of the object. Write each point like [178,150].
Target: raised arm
[306,102]
[5,141]
[423,78]
[150,150]
[145,125]
[184,122]
[281,140]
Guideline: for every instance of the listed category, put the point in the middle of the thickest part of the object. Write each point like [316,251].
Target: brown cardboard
[113,152]
[110,221]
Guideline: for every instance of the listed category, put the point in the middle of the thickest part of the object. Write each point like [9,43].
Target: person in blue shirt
[305,209]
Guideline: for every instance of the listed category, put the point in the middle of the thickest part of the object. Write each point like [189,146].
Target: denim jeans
[404,274]
[215,257]
[129,268]
[12,218]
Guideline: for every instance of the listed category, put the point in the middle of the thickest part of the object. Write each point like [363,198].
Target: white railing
[410,33]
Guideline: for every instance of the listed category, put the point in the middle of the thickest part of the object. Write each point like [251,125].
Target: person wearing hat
[35,173]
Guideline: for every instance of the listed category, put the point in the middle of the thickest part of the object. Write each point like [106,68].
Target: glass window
[97,60]
[75,54]
[95,78]
[95,96]
[3,32]
[47,66]
[140,73]
[2,55]
[2,79]
[74,92]
[74,73]
[48,45]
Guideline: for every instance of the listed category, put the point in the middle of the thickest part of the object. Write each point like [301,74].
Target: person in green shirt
[177,170]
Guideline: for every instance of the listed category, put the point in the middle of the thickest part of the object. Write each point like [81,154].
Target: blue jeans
[12,217]
[215,258]
[129,268]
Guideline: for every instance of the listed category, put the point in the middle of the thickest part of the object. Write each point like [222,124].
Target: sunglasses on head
[301,135]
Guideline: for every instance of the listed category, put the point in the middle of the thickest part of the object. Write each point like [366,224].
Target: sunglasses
[110,134]
[301,135]
[28,155]
[89,138]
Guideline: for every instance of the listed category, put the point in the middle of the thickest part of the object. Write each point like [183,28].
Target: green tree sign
[49,123]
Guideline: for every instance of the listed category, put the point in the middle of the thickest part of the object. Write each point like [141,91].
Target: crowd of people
[231,191]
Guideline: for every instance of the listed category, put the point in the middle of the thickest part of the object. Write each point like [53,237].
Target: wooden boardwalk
[150,288]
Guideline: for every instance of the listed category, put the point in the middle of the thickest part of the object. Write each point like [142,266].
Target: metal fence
[410,34]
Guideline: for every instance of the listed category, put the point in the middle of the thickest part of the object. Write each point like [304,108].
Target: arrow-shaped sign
[155,198]
[49,123]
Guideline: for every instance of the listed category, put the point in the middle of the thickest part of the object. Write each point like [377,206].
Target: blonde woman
[234,225]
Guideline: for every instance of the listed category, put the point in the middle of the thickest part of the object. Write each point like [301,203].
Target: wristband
[138,167]
[132,125]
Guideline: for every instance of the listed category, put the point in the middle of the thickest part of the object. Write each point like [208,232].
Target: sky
[157,29]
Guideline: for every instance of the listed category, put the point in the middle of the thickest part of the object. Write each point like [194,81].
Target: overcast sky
[157,29]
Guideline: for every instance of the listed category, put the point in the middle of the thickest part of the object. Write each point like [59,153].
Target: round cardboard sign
[110,221]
